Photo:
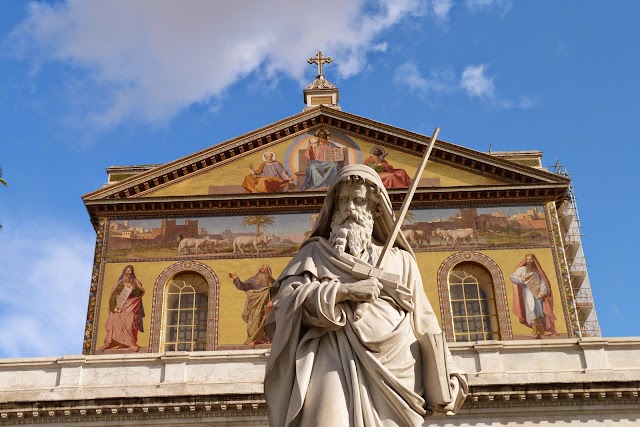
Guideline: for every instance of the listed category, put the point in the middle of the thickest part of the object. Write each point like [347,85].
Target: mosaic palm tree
[409,218]
[260,221]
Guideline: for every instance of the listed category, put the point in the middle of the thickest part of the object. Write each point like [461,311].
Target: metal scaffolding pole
[572,241]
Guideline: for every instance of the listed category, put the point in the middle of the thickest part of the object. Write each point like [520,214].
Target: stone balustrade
[525,373]
[241,371]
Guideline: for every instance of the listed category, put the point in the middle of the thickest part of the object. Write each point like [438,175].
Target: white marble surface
[511,379]
[94,377]
[242,371]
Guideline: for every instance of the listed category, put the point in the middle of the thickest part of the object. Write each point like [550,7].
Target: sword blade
[407,200]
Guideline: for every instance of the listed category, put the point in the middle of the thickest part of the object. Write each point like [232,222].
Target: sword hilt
[362,271]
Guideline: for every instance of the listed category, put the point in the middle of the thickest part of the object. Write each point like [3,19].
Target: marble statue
[356,352]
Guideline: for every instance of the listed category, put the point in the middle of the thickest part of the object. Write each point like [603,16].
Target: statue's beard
[351,232]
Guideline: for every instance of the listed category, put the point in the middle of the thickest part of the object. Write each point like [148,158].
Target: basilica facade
[186,251]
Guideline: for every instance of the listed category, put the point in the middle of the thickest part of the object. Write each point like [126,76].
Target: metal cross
[319,59]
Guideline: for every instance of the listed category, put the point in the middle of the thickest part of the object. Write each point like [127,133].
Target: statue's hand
[366,290]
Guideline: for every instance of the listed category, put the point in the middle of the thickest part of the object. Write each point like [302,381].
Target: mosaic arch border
[213,311]
[502,308]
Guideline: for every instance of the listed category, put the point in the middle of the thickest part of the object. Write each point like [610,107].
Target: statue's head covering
[383,221]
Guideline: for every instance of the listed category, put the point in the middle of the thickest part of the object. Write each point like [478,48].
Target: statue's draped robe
[326,368]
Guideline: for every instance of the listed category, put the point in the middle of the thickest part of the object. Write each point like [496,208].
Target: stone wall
[560,382]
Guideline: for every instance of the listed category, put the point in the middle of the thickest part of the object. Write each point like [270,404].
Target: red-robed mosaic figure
[125,312]
[390,176]
[532,297]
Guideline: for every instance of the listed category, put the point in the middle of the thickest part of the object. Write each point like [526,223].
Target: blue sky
[89,84]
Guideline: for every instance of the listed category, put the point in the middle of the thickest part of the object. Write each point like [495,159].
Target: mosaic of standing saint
[125,312]
[257,304]
[532,298]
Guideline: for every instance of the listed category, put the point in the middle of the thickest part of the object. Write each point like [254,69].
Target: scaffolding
[574,253]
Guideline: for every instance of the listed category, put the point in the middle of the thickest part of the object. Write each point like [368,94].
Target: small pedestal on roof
[320,91]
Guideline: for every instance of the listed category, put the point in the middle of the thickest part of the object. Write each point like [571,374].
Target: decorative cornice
[521,183]
[414,143]
[217,408]
[563,376]
[552,394]
[300,202]
[131,409]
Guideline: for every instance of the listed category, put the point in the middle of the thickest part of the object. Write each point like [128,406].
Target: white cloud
[441,9]
[148,59]
[408,75]
[380,47]
[44,290]
[439,80]
[476,83]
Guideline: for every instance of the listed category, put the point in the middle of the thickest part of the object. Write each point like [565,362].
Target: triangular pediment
[293,155]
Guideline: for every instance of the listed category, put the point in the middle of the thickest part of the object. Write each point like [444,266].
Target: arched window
[184,318]
[473,305]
